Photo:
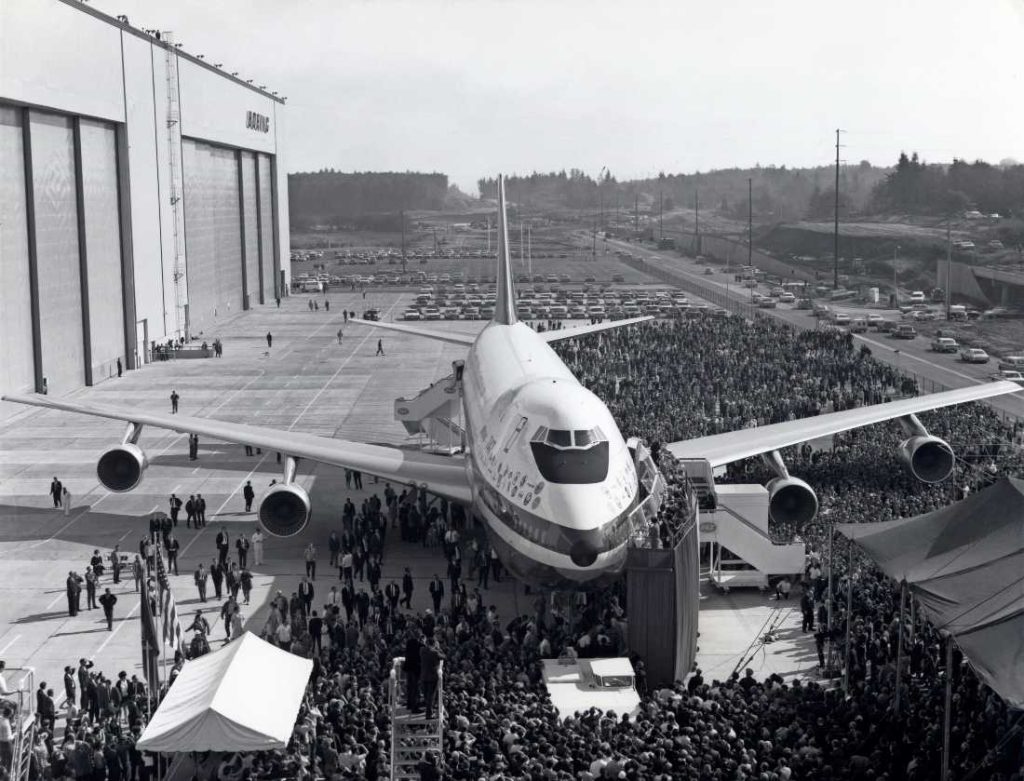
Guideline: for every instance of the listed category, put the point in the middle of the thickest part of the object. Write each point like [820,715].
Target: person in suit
[107,601]
[217,576]
[173,546]
[248,494]
[200,510]
[436,589]
[175,398]
[115,563]
[175,504]
[430,661]
[257,546]
[242,548]
[223,543]
[348,599]
[90,588]
[56,491]
[407,589]
[190,512]
[393,594]
[306,593]
[200,577]
[70,685]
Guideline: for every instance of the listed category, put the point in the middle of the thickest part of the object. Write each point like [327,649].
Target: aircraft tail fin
[505,306]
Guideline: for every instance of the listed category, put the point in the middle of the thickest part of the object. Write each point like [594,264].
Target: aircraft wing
[442,474]
[583,330]
[451,337]
[722,449]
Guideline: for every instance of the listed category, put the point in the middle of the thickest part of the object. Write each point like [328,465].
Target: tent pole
[899,647]
[849,616]
[831,548]
[949,706]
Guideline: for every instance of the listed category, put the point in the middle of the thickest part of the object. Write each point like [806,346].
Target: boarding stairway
[434,412]
[413,736]
[734,519]
[23,722]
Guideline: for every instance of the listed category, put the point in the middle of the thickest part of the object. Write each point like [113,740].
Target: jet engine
[284,509]
[791,500]
[120,468]
[928,458]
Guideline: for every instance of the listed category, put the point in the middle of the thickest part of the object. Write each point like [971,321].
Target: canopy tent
[965,565]
[244,697]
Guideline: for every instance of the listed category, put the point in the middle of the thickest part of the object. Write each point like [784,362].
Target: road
[933,371]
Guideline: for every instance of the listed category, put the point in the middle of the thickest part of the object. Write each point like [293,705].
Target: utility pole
[521,258]
[835,238]
[949,263]
[750,222]
[593,251]
[404,265]
[696,216]
[636,214]
[488,236]
[895,284]
[529,250]
[661,215]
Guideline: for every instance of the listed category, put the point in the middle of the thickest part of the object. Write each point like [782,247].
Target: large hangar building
[142,196]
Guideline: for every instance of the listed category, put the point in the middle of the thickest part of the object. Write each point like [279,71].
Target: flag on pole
[168,610]
[150,642]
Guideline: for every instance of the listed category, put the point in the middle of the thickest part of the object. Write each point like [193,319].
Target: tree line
[336,197]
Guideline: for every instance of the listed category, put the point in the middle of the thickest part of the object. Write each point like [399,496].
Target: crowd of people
[664,381]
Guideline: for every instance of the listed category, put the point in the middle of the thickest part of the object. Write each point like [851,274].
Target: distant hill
[333,197]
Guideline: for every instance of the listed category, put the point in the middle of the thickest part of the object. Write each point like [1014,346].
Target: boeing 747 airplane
[542,461]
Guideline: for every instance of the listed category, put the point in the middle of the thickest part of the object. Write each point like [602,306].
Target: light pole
[895,284]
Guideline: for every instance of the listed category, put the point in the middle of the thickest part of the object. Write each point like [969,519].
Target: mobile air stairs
[413,737]
[734,520]
[434,412]
[23,721]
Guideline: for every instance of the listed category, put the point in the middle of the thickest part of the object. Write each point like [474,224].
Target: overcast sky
[474,87]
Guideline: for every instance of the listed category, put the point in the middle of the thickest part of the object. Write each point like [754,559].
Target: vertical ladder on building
[23,724]
[413,736]
[176,187]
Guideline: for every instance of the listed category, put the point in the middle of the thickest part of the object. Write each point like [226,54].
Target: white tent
[244,697]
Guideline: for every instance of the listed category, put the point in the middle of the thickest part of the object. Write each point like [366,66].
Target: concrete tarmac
[306,382]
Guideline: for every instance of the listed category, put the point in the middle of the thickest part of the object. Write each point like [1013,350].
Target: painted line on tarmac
[111,635]
[10,642]
[266,455]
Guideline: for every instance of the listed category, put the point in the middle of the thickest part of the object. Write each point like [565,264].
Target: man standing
[407,587]
[306,594]
[173,546]
[393,593]
[200,510]
[270,337]
[190,512]
[333,547]
[69,685]
[217,576]
[175,503]
[430,660]
[108,601]
[248,494]
[310,556]
[201,577]
[74,589]
[412,671]
[380,347]
[257,546]
[115,563]
[242,548]
[316,630]
[223,546]
[90,588]
[56,490]
[174,401]
[436,592]
[120,368]
[339,336]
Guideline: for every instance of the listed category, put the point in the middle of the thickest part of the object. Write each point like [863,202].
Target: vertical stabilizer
[505,306]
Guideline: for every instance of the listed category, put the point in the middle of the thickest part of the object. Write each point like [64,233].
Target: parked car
[1012,363]
[1009,375]
[944,344]
[973,355]
[904,331]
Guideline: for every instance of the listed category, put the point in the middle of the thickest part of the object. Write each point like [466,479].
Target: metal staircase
[413,737]
[176,188]
[433,412]
[23,723]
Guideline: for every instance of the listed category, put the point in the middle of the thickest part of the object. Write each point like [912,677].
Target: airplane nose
[583,553]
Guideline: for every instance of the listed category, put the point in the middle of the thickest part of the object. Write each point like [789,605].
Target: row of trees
[780,194]
[333,196]
[919,188]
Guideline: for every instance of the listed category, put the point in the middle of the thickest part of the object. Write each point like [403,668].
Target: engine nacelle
[120,468]
[284,510]
[928,458]
[791,500]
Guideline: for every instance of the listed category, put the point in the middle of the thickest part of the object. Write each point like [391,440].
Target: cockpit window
[563,456]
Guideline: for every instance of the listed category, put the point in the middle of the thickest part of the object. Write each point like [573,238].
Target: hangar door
[213,235]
